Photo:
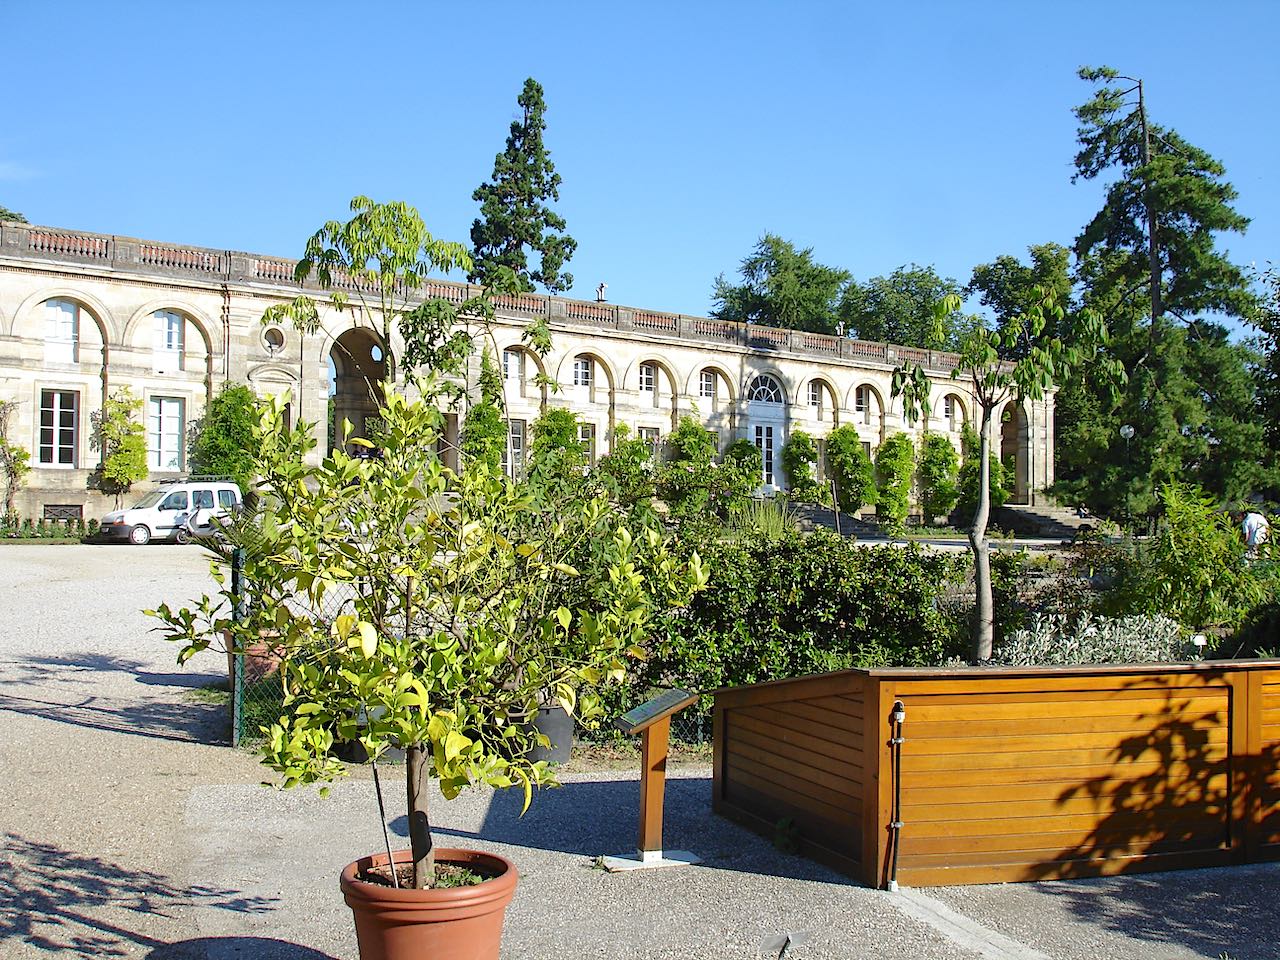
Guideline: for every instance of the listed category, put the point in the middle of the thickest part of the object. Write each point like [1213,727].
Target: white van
[177,510]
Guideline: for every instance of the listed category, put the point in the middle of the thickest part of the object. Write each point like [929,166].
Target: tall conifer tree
[515,216]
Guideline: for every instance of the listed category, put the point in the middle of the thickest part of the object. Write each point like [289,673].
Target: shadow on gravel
[39,685]
[592,818]
[243,948]
[1215,912]
[63,902]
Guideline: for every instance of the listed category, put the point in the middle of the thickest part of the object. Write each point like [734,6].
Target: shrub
[1054,639]
[796,605]
[222,444]
[799,455]
[685,480]
[484,431]
[895,465]
[1193,569]
[627,473]
[123,443]
[937,470]
[967,481]
[739,476]
[851,469]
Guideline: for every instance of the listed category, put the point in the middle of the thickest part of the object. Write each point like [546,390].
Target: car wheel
[140,536]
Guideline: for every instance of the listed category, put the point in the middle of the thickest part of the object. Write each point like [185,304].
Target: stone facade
[83,314]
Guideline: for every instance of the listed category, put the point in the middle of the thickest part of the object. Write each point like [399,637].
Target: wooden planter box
[1009,773]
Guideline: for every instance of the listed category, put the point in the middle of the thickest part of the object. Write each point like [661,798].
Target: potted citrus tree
[425,610]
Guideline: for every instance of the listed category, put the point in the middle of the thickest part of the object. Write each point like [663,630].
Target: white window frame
[169,341]
[652,435]
[61,331]
[513,366]
[583,372]
[764,443]
[862,399]
[709,385]
[166,433]
[513,452]
[649,377]
[587,437]
[58,438]
[815,394]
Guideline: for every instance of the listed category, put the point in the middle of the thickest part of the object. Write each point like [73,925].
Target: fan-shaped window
[765,389]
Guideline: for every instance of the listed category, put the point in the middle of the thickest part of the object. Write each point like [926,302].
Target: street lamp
[1126,432]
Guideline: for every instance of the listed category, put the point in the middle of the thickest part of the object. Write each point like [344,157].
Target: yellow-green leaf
[368,639]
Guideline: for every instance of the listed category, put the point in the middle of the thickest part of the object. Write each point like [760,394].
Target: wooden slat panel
[1041,744]
[955,858]
[1117,824]
[778,730]
[802,762]
[1174,833]
[1094,703]
[809,815]
[794,764]
[1054,773]
[853,706]
[1148,789]
[1038,725]
[807,795]
[936,762]
[1098,805]
[838,728]
[814,711]
[843,838]
[935,694]
[1062,870]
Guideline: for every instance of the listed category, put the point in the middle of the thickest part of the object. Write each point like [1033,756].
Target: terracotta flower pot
[458,923]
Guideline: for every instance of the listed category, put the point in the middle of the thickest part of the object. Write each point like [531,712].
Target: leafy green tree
[899,308]
[627,473]
[15,462]
[557,460]
[484,431]
[781,287]
[895,466]
[223,439]
[1018,358]
[456,627]
[384,253]
[937,470]
[1267,373]
[122,440]
[1007,286]
[11,215]
[851,469]
[515,217]
[799,457]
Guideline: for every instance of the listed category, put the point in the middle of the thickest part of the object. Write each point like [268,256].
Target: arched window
[61,331]
[765,389]
[169,341]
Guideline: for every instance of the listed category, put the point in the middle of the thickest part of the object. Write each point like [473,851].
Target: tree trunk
[1153,246]
[424,855]
[984,612]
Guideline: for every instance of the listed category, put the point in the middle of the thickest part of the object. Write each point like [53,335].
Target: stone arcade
[83,314]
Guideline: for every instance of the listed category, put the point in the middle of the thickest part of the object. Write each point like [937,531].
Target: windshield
[150,500]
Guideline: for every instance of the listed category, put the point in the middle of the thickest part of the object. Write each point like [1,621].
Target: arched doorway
[358,367]
[1015,440]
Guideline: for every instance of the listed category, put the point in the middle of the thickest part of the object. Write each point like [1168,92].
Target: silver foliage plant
[1054,639]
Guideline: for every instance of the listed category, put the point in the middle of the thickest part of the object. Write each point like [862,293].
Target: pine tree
[515,218]
[1148,263]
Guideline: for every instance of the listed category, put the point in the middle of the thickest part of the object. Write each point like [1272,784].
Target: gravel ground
[130,829]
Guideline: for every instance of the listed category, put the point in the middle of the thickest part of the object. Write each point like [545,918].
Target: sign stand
[652,721]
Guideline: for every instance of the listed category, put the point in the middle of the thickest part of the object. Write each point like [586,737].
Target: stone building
[83,314]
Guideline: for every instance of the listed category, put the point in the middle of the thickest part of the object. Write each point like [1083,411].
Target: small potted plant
[429,611]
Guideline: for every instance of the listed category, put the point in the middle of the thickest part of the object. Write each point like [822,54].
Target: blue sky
[935,133]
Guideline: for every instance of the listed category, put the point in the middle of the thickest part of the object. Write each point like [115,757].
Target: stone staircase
[813,517]
[1040,521]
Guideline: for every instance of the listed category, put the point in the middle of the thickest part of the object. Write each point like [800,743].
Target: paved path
[129,829]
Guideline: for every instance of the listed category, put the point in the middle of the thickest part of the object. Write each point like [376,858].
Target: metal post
[237,678]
